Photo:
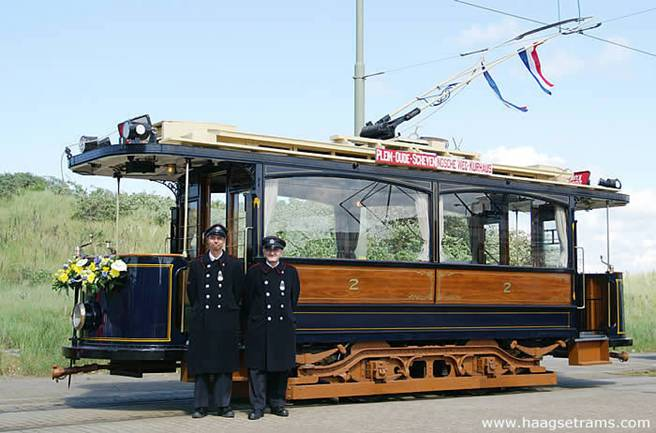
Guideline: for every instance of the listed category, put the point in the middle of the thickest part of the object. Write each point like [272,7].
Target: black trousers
[213,388]
[267,387]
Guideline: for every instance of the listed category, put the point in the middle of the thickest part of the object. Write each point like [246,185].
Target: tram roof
[340,148]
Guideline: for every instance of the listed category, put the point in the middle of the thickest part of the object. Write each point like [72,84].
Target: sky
[285,68]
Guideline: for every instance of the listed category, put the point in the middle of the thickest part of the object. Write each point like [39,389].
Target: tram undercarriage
[374,368]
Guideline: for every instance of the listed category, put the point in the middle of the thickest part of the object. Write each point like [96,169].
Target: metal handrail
[582,307]
[246,229]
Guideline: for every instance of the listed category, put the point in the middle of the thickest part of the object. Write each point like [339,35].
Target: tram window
[217,208]
[500,228]
[330,217]
[192,228]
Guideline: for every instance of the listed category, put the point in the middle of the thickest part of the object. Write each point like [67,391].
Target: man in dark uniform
[271,293]
[214,290]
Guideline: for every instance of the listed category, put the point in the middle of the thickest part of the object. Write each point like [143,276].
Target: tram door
[604,304]
[228,202]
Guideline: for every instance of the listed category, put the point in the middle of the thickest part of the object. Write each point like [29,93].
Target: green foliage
[455,240]
[520,249]
[100,205]
[397,240]
[639,304]
[34,325]
[12,184]
[37,234]
[307,227]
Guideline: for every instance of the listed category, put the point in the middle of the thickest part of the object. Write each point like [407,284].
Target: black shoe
[199,412]
[226,412]
[255,414]
[279,411]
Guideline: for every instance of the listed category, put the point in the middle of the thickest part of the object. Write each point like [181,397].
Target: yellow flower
[62,278]
[92,266]
[91,277]
[105,268]
[114,273]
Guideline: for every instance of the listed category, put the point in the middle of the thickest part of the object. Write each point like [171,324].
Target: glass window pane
[217,208]
[499,228]
[329,217]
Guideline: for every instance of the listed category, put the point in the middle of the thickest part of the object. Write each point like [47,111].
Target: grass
[34,326]
[640,310]
[37,234]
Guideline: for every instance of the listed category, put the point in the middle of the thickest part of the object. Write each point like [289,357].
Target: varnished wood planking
[365,285]
[498,287]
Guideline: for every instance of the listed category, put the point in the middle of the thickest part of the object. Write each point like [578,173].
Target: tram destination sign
[430,161]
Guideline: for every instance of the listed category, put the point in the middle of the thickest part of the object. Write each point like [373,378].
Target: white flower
[82,262]
[119,265]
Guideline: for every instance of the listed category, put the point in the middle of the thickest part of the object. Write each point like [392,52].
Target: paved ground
[159,403]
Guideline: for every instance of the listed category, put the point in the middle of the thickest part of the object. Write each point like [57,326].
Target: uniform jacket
[270,297]
[214,291]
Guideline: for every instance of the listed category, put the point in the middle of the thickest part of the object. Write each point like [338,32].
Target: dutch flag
[529,56]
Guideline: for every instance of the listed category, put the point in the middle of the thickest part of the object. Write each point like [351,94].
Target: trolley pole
[359,67]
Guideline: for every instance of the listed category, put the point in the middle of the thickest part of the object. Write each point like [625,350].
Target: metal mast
[359,68]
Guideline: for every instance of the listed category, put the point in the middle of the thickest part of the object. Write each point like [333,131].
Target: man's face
[273,255]
[215,243]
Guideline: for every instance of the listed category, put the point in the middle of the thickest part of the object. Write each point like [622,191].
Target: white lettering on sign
[428,160]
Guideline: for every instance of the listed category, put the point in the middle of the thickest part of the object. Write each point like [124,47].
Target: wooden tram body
[374,317]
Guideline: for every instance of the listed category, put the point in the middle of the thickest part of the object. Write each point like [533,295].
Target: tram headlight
[86,315]
[138,130]
[78,317]
[89,143]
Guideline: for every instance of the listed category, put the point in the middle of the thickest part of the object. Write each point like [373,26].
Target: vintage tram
[422,268]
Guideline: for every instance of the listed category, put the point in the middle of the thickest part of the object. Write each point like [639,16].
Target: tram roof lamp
[170,169]
[89,143]
[138,130]
[610,183]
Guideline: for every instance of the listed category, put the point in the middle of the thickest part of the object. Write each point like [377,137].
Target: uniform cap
[270,242]
[216,230]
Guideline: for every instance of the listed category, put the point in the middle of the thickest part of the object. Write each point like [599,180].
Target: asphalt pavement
[619,397]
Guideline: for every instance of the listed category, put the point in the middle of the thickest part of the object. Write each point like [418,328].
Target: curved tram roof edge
[202,142]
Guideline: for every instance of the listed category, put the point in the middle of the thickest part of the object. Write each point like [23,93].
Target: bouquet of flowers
[91,274]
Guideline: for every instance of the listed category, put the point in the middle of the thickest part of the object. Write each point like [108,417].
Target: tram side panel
[341,303]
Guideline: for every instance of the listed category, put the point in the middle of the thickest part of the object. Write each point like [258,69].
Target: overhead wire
[454,88]
[578,32]
[629,15]
[499,11]
[637,50]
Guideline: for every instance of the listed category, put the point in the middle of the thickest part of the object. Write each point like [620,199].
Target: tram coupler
[622,356]
[59,373]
